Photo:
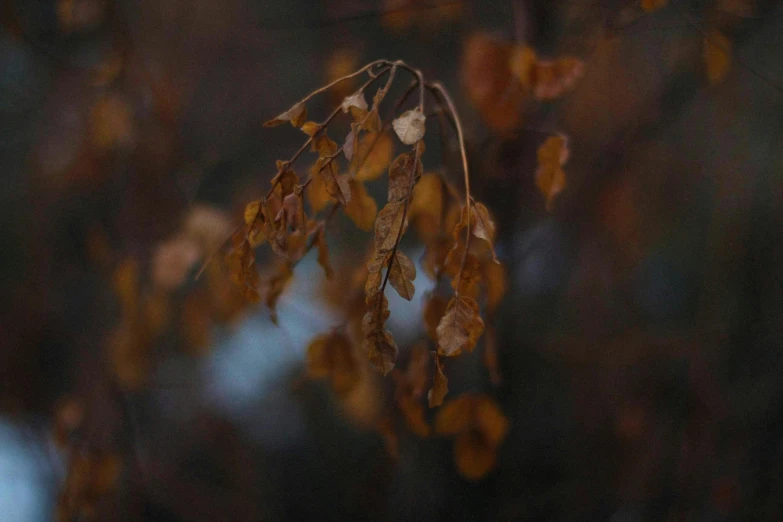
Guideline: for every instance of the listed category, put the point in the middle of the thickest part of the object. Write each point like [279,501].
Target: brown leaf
[439,385]
[401,275]
[310,128]
[351,143]
[336,185]
[372,156]
[409,126]
[400,174]
[324,146]
[460,327]
[426,207]
[389,226]
[496,282]
[292,210]
[484,227]
[381,349]
[362,208]
[550,177]
[297,115]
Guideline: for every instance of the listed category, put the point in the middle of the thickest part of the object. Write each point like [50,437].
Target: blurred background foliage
[639,345]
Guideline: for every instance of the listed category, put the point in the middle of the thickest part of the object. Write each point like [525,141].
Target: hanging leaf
[550,177]
[434,310]
[275,285]
[460,327]
[297,115]
[388,226]
[362,208]
[372,156]
[354,100]
[324,146]
[409,126]
[400,173]
[484,227]
[310,128]
[317,194]
[401,275]
[381,350]
[336,185]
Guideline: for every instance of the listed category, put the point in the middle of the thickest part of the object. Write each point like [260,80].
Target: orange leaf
[402,272]
[362,208]
[460,327]
[550,177]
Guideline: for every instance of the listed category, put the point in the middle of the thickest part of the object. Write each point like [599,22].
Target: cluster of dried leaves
[458,234]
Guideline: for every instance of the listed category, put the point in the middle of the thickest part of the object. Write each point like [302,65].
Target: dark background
[640,340]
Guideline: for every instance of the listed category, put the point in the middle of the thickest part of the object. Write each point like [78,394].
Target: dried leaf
[324,146]
[317,194]
[460,327]
[381,349]
[550,177]
[401,275]
[372,156]
[354,100]
[336,185]
[389,226]
[439,385]
[401,172]
[297,115]
[496,282]
[292,210]
[484,227]
[351,143]
[362,208]
[409,126]
[310,128]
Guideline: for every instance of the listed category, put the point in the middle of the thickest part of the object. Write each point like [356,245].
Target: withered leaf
[409,126]
[310,128]
[351,143]
[381,349]
[362,208]
[496,283]
[297,115]
[317,194]
[253,212]
[401,275]
[336,185]
[389,226]
[460,327]
[372,156]
[292,209]
[550,177]
[440,385]
[354,100]
[400,173]
[484,227]
[324,146]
